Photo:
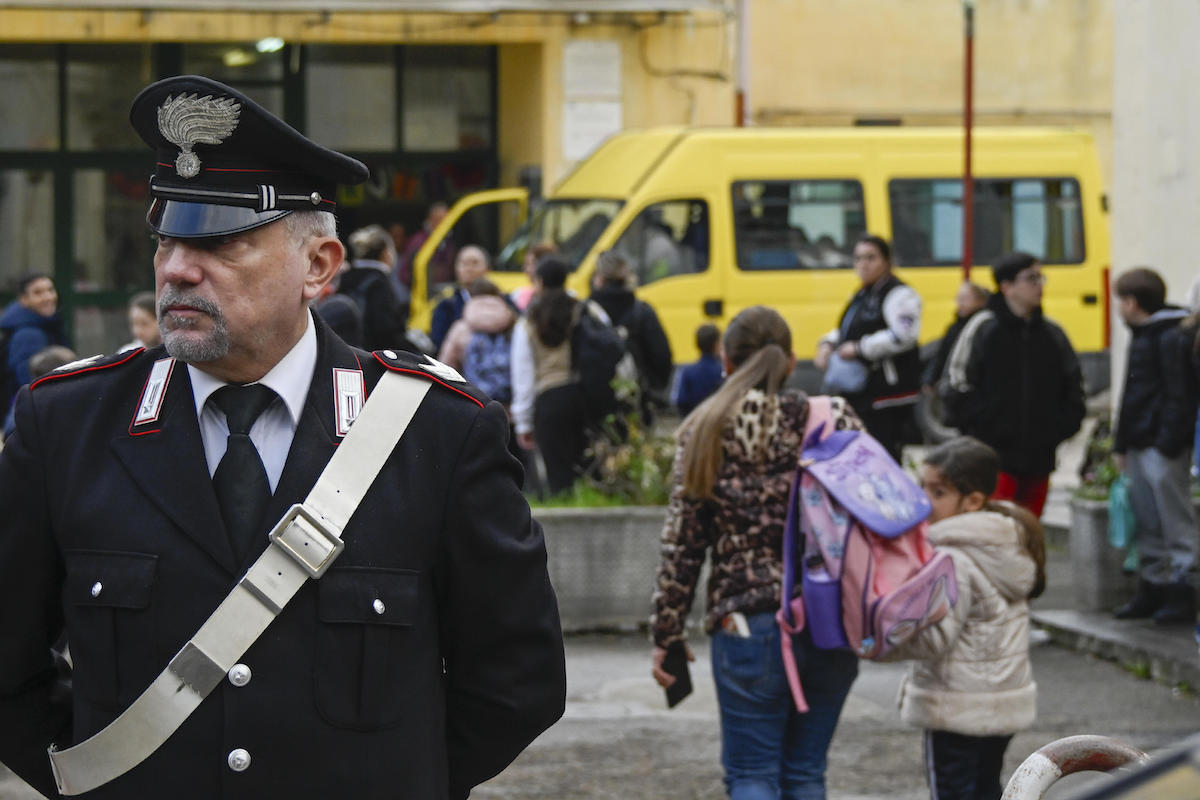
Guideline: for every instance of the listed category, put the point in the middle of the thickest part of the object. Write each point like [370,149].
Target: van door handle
[714,308]
[1090,299]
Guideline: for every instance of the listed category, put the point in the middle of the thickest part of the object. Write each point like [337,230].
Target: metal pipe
[968,181]
[742,94]
[1066,757]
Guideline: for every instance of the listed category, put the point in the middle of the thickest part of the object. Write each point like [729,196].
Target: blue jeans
[769,750]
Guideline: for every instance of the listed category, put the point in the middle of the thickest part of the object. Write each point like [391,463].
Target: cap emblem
[189,120]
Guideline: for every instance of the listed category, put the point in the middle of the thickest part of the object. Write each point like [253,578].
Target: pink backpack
[870,579]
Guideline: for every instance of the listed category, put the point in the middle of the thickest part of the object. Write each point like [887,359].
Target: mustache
[175,297]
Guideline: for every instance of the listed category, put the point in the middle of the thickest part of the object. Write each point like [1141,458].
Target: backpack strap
[302,546]
[791,614]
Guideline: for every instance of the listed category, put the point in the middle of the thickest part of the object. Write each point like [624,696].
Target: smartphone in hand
[676,664]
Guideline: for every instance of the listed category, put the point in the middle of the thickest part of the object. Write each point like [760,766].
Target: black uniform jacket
[441,691]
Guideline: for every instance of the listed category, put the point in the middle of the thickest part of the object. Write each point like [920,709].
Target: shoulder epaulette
[431,369]
[92,364]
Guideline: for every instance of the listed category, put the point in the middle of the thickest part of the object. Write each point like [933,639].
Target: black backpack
[597,348]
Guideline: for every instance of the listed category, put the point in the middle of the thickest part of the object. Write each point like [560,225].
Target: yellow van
[716,220]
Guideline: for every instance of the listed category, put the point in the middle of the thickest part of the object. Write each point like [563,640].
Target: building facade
[444,97]
[439,99]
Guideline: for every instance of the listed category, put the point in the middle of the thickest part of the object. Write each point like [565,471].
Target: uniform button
[378,606]
[239,675]
[97,588]
[390,354]
[239,760]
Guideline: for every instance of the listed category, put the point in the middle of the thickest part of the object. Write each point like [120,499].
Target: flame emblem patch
[188,120]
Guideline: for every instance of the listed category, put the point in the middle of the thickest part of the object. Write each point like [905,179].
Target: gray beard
[212,347]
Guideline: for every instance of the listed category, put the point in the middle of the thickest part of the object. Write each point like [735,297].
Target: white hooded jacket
[974,676]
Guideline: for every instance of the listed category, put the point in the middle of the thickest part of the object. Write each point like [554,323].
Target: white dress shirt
[274,429]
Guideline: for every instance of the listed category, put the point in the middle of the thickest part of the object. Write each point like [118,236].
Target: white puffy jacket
[974,677]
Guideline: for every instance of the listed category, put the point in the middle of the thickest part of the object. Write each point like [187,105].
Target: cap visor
[194,220]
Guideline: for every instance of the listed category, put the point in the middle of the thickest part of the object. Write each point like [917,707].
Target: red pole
[968,190]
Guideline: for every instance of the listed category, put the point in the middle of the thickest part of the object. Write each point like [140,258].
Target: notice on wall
[591,69]
[587,123]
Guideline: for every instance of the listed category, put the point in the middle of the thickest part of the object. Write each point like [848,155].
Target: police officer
[138,491]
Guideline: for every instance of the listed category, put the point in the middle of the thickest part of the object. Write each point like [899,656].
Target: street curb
[1167,654]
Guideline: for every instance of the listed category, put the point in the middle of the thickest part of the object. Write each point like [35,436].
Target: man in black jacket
[644,336]
[1013,381]
[139,489]
[1154,429]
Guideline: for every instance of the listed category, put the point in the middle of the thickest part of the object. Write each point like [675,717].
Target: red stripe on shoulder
[427,376]
[89,368]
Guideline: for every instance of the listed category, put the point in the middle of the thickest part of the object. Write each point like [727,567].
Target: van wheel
[929,419]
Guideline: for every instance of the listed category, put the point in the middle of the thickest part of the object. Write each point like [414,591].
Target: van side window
[798,224]
[667,239]
[1042,216]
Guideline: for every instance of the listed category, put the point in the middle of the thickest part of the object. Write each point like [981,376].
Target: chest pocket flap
[368,596]
[107,579]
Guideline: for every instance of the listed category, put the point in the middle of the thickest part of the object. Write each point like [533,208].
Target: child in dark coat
[696,381]
[1154,427]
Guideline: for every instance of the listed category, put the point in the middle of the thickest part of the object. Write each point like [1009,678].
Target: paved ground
[618,740]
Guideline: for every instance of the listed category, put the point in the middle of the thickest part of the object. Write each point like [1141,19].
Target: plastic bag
[845,376]
[1122,525]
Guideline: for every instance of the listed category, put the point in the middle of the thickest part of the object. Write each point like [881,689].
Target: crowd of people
[560,369]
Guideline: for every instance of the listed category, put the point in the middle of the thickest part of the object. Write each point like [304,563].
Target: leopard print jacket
[742,523]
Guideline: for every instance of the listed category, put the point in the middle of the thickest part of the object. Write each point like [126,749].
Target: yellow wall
[676,68]
[830,62]
[810,62]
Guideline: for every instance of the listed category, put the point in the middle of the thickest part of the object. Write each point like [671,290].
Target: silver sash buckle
[312,542]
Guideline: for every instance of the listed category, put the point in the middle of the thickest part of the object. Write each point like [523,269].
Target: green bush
[1099,468]
[628,466]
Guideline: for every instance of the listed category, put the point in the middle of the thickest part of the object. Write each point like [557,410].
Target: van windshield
[571,226]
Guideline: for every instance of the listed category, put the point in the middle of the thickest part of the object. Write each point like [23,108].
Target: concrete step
[1165,653]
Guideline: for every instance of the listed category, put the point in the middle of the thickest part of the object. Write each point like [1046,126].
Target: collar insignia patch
[151,402]
[189,120]
[443,371]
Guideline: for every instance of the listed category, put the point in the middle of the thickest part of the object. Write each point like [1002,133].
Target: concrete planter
[602,564]
[1099,583]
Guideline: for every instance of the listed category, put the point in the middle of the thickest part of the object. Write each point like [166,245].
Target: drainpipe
[968,182]
[741,96]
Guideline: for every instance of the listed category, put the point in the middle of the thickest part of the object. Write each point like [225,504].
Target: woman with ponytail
[736,455]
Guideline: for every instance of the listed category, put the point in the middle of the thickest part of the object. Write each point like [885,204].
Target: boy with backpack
[1154,429]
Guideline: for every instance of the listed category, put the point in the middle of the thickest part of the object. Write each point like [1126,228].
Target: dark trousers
[559,427]
[885,424]
[962,767]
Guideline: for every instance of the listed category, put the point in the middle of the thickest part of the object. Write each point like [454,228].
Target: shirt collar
[290,378]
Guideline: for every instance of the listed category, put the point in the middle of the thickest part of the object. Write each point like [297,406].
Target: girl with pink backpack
[736,457]
[972,687]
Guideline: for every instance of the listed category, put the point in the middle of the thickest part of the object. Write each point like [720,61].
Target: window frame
[735,204]
[637,269]
[1082,218]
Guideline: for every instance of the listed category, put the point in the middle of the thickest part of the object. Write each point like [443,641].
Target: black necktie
[240,481]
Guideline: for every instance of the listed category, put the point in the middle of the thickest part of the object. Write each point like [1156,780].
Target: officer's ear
[324,255]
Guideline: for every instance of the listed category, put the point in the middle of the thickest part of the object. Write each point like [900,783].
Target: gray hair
[305,225]
[613,268]
[371,243]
